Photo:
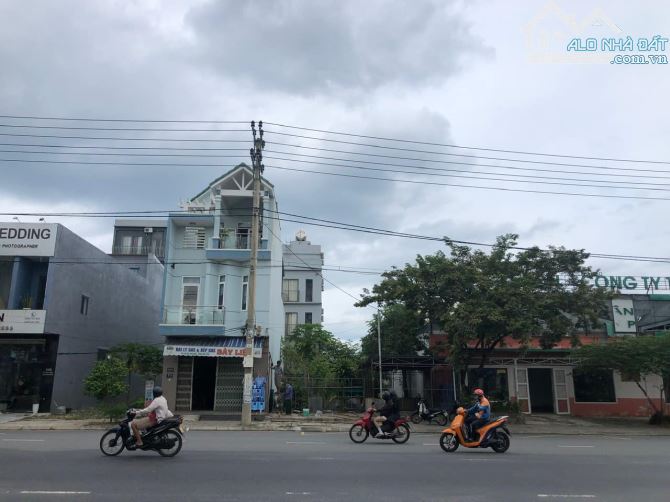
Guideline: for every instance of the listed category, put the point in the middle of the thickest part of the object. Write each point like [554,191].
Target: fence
[332,394]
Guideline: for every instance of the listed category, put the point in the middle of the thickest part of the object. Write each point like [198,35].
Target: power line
[503,189]
[88,119]
[196,140]
[520,152]
[130,129]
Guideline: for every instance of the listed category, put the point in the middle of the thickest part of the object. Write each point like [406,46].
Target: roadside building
[303,283]
[205,296]
[63,304]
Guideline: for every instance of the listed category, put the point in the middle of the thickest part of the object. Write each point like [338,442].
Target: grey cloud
[318,47]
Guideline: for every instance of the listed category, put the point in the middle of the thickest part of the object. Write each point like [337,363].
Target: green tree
[479,298]
[401,333]
[139,359]
[636,358]
[106,380]
[315,359]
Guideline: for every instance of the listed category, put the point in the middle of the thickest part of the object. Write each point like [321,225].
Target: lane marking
[25,440]
[298,493]
[431,444]
[52,492]
[304,442]
[565,496]
[574,446]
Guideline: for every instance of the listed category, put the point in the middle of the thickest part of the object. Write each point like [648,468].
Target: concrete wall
[124,306]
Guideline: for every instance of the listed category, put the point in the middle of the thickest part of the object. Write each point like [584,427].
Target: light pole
[379,346]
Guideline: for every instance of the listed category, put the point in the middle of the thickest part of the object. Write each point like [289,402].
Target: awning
[224,346]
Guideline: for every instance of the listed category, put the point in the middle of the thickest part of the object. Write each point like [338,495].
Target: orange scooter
[490,435]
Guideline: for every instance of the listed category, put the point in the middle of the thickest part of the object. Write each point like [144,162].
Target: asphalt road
[290,466]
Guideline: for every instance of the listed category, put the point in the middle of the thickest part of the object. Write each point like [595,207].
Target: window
[290,290]
[194,237]
[291,322]
[593,386]
[308,318]
[189,298]
[83,309]
[222,287]
[245,291]
[309,286]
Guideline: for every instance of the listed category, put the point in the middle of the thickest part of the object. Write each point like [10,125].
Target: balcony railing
[139,250]
[199,315]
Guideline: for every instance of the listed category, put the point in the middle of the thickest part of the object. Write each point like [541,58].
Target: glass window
[593,386]
[83,309]
[308,318]
[222,287]
[245,291]
[189,298]
[309,286]
[290,290]
[291,322]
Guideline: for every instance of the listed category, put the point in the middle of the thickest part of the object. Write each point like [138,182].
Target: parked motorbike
[365,426]
[441,417]
[494,434]
[164,438]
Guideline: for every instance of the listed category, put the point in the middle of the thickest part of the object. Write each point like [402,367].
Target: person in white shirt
[156,412]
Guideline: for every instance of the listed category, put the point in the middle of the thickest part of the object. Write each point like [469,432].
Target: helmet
[460,411]
[386,395]
[478,392]
[158,391]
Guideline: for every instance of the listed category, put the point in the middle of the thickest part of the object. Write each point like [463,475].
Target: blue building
[205,294]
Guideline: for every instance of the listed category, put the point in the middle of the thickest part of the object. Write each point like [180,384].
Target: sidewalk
[534,425]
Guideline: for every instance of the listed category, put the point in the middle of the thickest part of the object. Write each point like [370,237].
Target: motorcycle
[365,427]
[164,438]
[441,417]
[494,434]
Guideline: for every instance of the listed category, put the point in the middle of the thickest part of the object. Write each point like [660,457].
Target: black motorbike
[165,437]
[423,413]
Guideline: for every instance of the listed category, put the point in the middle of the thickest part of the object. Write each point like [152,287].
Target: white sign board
[27,239]
[22,321]
[213,351]
[624,316]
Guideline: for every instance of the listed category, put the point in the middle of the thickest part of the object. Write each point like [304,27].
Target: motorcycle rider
[390,411]
[156,412]
[478,415]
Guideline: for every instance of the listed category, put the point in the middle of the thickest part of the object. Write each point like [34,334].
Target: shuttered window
[194,237]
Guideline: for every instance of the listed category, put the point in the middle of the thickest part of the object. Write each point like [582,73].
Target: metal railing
[199,314]
[139,250]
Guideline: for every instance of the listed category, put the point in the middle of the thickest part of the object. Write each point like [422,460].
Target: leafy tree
[479,298]
[139,359]
[401,331]
[635,357]
[106,379]
[313,357]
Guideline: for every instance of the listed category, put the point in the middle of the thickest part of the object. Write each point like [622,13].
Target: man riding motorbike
[478,415]
[390,411]
[156,412]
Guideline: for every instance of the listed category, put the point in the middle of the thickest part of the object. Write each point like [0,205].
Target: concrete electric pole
[257,165]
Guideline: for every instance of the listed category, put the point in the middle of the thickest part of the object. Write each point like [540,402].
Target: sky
[494,75]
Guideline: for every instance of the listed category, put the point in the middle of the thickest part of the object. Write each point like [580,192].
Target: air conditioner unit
[148,230]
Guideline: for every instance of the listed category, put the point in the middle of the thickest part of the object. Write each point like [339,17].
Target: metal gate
[184,384]
[562,403]
[522,392]
[229,385]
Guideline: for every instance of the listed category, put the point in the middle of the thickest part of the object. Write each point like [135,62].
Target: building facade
[206,294]
[63,304]
[303,283]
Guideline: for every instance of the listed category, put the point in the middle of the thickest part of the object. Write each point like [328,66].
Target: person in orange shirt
[479,414]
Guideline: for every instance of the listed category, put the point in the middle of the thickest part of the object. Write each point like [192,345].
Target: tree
[479,299]
[637,358]
[106,379]
[402,333]
[139,359]
[314,358]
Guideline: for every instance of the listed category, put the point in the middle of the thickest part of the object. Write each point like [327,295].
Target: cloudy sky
[493,75]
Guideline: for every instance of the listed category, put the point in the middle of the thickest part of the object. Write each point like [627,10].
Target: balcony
[192,320]
[236,248]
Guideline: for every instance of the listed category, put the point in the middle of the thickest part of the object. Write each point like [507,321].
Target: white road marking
[26,440]
[575,446]
[304,442]
[431,444]
[298,493]
[565,496]
[52,492]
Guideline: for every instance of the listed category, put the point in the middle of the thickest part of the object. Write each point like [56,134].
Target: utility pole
[379,347]
[256,154]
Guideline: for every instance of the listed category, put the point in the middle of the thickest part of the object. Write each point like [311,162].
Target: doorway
[204,383]
[541,393]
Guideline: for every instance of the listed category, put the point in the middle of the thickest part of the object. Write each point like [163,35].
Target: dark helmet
[158,391]
[386,395]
